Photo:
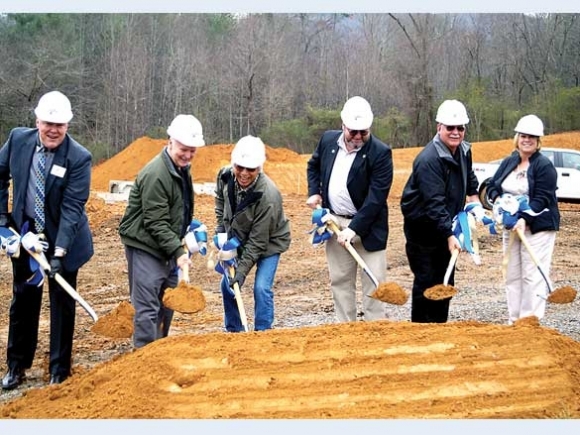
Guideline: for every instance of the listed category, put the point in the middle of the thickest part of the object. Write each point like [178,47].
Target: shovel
[389,292]
[444,291]
[185,298]
[562,295]
[238,297]
[41,259]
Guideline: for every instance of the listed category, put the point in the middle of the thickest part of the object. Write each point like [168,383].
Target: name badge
[58,171]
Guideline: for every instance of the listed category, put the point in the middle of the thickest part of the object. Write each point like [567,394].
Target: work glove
[4,219]
[238,278]
[55,266]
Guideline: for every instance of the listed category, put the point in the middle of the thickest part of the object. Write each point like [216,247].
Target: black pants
[25,315]
[428,263]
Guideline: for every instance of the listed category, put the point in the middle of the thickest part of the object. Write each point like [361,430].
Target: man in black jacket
[350,173]
[45,156]
[436,191]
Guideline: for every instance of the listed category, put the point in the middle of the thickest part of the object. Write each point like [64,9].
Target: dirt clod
[527,321]
[116,324]
[391,293]
[439,292]
[185,298]
[563,295]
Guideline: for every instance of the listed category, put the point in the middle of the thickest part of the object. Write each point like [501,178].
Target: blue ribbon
[320,232]
[473,207]
[510,217]
[199,230]
[222,266]
[461,227]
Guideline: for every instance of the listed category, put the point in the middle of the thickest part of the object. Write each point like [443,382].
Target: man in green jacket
[158,213]
[248,206]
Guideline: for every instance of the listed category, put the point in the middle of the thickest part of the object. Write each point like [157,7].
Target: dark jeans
[428,264]
[263,297]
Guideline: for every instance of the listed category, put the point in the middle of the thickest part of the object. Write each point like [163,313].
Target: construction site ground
[308,366]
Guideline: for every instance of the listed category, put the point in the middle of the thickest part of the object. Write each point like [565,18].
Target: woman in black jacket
[528,172]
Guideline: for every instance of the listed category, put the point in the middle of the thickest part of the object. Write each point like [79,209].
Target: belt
[346,216]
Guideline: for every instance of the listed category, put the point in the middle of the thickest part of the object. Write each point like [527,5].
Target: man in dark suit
[350,173]
[65,178]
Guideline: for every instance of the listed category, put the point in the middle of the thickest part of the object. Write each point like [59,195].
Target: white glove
[31,242]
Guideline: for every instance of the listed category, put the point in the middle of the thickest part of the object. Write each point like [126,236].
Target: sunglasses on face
[450,128]
[243,168]
[353,133]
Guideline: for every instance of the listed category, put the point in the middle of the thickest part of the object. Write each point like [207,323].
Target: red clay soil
[381,369]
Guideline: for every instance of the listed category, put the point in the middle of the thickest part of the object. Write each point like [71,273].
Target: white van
[566,161]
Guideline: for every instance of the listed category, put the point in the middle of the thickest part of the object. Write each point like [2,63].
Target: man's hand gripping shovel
[36,247]
[388,292]
[188,298]
[226,265]
[465,230]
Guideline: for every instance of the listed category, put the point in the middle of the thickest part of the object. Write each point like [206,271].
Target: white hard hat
[452,112]
[186,129]
[54,107]
[249,152]
[530,124]
[357,114]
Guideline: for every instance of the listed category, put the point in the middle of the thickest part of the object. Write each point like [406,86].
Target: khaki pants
[343,269]
[525,287]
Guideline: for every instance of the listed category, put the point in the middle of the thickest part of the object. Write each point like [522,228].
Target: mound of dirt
[352,370]
[285,167]
[204,168]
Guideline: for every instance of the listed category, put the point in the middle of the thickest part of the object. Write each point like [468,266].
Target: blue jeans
[263,297]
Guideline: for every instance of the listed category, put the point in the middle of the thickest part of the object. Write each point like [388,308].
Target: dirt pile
[280,164]
[285,167]
[357,370]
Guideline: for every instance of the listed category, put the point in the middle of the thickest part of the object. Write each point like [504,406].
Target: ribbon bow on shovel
[465,230]
[196,238]
[226,265]
[320,231]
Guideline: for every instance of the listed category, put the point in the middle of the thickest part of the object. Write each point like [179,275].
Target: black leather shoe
[13,378]
[57,379]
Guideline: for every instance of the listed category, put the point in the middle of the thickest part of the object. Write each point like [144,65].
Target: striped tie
[39,170]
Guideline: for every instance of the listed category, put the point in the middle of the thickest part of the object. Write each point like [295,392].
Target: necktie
[39,170]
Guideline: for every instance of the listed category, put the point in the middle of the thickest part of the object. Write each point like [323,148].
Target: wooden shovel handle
[65,285]
[354,254]
[184,273]
[239,302]
[530,250]
[450,266]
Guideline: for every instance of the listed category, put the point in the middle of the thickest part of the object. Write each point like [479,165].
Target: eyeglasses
[243,168]
[460,128]
[353,133]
